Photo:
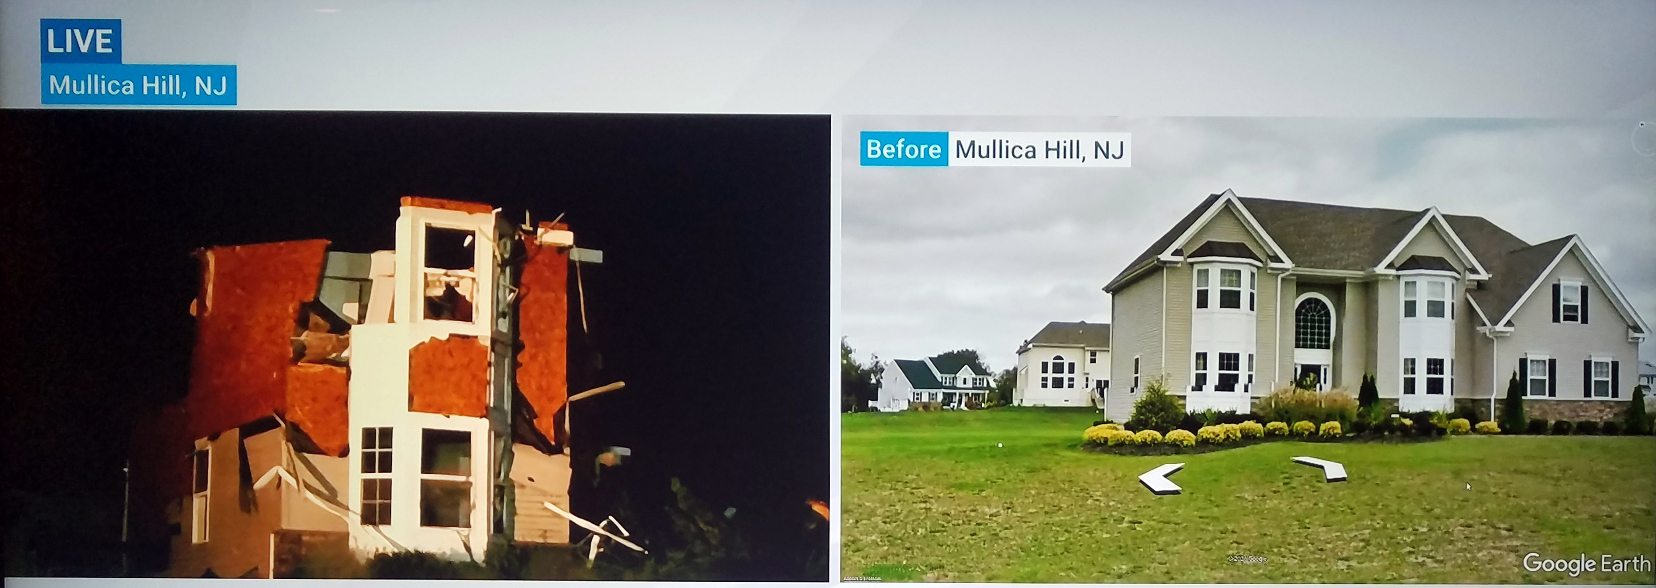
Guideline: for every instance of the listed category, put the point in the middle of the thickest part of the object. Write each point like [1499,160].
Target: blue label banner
[138,84]
[904,148]
[80,40]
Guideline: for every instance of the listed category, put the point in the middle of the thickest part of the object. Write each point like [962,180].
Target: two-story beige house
[1245,295]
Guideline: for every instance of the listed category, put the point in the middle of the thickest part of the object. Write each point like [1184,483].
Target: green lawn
[930,496]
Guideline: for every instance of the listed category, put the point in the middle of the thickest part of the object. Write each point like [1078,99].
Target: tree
[1512,410]
[859,383]
[1001,393]
[1368,394]
[1637,421]
[1157,409]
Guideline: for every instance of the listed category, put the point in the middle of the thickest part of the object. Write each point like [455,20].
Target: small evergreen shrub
[1276,429]
[1487,427]
[1329,430]
[1368,394]
[1251,429]
[1147,437]
[1537,427]
[1635,420]
[1304,429]
[1512,410]
[1562,427]
[1460,426]
[1587,428]
[1610,428]
[1156,409]
[1118,438]
[1181,438]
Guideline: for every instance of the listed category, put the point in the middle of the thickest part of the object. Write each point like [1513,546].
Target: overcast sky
[946,258]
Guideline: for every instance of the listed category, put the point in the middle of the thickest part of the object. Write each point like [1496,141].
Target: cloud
[939,259]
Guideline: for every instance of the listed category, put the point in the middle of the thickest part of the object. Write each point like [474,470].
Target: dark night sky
[712,302]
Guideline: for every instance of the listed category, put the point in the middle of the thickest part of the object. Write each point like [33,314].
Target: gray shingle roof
[1425,262]
[951,365]
[1082,333]
[919,376]
[1224,249]
[1334,237]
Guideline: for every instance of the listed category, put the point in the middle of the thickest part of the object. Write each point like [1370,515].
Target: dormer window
[1433,294]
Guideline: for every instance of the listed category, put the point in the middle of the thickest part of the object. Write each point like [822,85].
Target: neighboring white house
[948,381]
[1647,376]
[1065,364]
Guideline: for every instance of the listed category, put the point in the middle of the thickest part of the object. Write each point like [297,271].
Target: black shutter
[1586,378]
[1615,377]
[1552,377]
[1583,304]
[1523,372]
[1555,303]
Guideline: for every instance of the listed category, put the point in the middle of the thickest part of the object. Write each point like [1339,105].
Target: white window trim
[1135,373]
[1333,317]
[1247,287]
[1530,376]
[201,503]
[1609,372]
[1423,298]
[1565,284]
[1403,370]
[427,271]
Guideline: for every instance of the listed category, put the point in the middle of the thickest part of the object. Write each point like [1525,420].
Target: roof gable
[919,375]
[951,365]
[1434,219]
[1566,246]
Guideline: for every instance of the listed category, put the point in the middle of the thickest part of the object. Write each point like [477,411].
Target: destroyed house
[410,399]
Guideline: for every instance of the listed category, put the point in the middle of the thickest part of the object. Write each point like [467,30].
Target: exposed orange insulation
[449,376]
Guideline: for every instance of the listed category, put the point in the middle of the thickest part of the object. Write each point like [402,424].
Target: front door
[1315,370]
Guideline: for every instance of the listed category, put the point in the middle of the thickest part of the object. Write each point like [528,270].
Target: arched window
[1313,325]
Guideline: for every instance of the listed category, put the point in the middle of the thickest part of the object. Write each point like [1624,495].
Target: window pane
[446,452]
[1601,388]
[1230,278]
[1043,382]
[1201,361]
[1230,299]
[1570,293]
[1434,385]
[1202,298]
[1434,308]
[370,439]
[1408,366]
[1538,368]
[370,462]
[445,504]
[1435,290]
[1409,385]
[1201,380]
[1227,383]
[1230,362]
[384,437]
[1253,280]
[1201,278]
[1410,291]
[1601,369]
[1434,367]
[1408,308]
[1250,362]
[1072,381]
[201,461]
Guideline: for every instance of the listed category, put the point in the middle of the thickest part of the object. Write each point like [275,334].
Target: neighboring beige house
[1244,295]
[1065,364]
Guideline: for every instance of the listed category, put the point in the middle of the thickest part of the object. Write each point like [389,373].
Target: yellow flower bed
[1181,438]
[1304,429]
[1329,429]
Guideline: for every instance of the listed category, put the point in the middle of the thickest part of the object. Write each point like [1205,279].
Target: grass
[930,496]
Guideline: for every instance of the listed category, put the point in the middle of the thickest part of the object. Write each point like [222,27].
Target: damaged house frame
[444,359]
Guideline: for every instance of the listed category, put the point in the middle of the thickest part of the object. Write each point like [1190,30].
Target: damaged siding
[543,318]
[316,404]
[449,376]
[537,478]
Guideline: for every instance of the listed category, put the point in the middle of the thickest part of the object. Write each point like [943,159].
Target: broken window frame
[443,275]
[432,482]
[200,492]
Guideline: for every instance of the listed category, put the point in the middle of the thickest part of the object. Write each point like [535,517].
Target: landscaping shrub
[1276,428]
[1587,428]
[1098,433]
[1536,427]
[1610,428]
[1440,419]
[1465,411]
[1251,429]
[1368,394]
[1147,437]
[1562,427]
[1293,404]
[1304,429]
[1406,422]
[1461,426]
[1210,434]
[1487,428]
[1156,409]
[1512,410]
[1360,427]
[1230,432]
[1635,420]
[1116,438]
[1181,438]
[1191,421]
[1330,429]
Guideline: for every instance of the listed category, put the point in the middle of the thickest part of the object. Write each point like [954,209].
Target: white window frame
[1531,379]
[201,501]
[1411,375]
[1422,298]
[1043,382]
[1598,360]
[426,272]
[919,396]
[379,451]
[471,447]
[1442,378]
[1135,373]
[1220,371]
[1201,369]
[1092,357]
[1567,288]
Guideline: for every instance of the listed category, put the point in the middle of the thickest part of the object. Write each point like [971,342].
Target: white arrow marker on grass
[1156,479]
[1332,471]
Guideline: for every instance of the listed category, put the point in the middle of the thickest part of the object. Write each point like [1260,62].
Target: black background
[711,303]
